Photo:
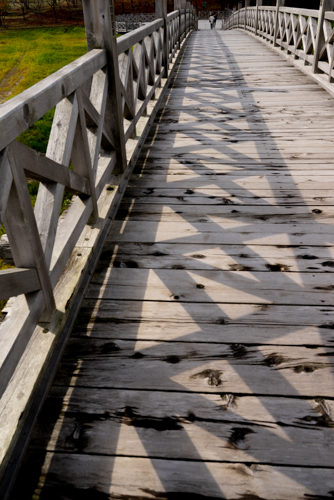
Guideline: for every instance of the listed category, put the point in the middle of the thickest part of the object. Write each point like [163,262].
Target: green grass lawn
[26,57]
[29,55]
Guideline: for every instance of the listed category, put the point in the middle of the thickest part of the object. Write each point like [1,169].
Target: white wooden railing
[305,36]
[104,103]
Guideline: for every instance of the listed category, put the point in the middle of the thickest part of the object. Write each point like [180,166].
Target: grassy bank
[26,57]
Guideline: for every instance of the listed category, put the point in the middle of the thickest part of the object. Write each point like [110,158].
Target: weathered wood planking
[265,370]
[231,323]
[146,478]
[226,257]
[225,232]
[211,425]
[202,356]
[213,286]
[228,182]
[17,281]
[274,214]
[236,197]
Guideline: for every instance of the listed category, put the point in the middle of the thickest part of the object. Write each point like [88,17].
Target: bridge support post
[188,5]
[247,4]
[161,12]
[177,6]
[195,18]
[101,33]
[258,2]
[319,40]
[183,7]
[278,4]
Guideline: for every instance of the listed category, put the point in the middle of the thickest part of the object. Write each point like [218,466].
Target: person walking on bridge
[212,21]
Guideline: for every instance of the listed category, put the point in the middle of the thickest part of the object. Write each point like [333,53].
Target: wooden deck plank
[225,232]
[213,286]
[201,363]
[249,213]
[228,323]
[147,478]
[174,366]
[183,366]
[266,258]
[211,425]
[236,197]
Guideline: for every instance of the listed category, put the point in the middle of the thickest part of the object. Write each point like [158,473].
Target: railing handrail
[172,15]
[38,99]
[300,12]
[126,41]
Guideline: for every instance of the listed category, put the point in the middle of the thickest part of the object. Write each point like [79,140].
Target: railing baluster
[22,230]
[278,3]
[161,12]
[81,157]
[51,194]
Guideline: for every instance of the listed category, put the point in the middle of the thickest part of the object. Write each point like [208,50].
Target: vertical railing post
[183,7]
[324,5]
[188,15]
[258,2]
[101,33]
[247,4]
[278,4]
[177,6]
[195,19]
[161,12]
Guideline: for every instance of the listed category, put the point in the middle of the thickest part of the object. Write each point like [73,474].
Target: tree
[23,5]
[53,4]
[4,4]
[72,7]
[36,7]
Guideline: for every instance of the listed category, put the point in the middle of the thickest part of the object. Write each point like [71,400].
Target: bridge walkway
[201,364]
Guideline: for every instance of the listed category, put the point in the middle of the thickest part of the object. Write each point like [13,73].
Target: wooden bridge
[200,363]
